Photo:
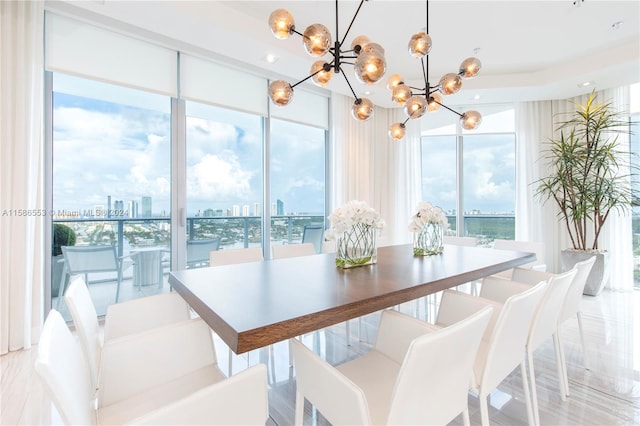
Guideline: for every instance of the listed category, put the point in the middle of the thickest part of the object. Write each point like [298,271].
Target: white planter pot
[599,275]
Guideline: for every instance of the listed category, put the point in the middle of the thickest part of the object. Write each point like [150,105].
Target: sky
[117,142]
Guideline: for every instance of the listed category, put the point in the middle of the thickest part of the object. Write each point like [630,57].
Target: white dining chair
[572,308]
[536,247]
[282,251]
[233,256]
[163,376]
[544,324]
[416,374]
[503,345]
[122,319]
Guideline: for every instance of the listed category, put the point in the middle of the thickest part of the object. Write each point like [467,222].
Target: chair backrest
[85,319]
[147,267]
[547,316]
[314,234]
[85,259]
[63,370]
[536,247]
[433,382]
[232,256]
[281,251]
[198,250]
[574,294]
[339,400]
[460,241]
[507,344]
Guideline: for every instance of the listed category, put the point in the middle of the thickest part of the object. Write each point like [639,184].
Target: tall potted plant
[589,177]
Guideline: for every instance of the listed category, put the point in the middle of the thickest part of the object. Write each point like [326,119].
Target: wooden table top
[252,305]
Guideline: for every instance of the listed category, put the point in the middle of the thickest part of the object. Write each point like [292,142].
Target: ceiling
[530,50]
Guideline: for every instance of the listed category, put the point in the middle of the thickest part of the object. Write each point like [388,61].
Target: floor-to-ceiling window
[471,175]
[297,171]
[224,177]
[634,147]
[111,179]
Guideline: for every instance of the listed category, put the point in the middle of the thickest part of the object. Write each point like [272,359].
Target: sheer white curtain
[21,171]
[536,221]
[367,165]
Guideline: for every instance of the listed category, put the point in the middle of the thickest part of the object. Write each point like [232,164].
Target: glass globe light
[397,131]
[400,94]
[323,77]
[416,106]
[434,106]
[316,39]
[470,67]
[450,83]
[470,120]
[393,81]
[281,23]
[373,48]
[419,44]
[362,109]
[370,67]
[358,43]
[280,92]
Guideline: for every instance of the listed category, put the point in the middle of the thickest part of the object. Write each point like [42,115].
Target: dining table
[252,305]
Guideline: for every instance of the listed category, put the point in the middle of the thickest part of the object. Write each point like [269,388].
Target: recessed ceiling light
[617,25]
[586,83]
[476,97]
[368,93]
[270,58]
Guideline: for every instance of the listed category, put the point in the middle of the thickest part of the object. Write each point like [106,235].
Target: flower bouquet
[428,226]
[353,227]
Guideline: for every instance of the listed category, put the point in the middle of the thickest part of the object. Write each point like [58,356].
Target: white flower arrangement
[354,212]
[427,213]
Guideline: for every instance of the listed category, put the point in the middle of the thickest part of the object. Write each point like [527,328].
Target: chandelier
[419,100]
[366,57]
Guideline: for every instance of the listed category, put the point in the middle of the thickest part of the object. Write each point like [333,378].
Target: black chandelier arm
[307,78]
[293,30]
[350,24]
[350,63]
[453,111]
[425,70]
[405,121]
[350,88]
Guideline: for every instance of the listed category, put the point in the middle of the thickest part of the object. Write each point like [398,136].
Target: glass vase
[429,240]
[356,247]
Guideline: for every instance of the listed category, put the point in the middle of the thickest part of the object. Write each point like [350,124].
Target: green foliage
[589,175]
[62,236]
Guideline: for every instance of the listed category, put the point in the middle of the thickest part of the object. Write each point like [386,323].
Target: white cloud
[216,178]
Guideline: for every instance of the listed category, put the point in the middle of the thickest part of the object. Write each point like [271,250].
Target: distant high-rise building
[229,211]
[133,208]
[235,210]
[146,207]
[208,213]
[118,207]
[218,212]
[245,210]
[256,209]
[108,205]
[280,210]
[274,209]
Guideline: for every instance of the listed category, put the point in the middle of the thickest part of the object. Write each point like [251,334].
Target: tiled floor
[607,394]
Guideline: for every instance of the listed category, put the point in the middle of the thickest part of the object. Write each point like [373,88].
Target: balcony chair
[282,251]
[545,321]
[198,252]
[536,247]
[163,376]
[89,259]
[122,319]
[314,234]
[414,375]
[504,342]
